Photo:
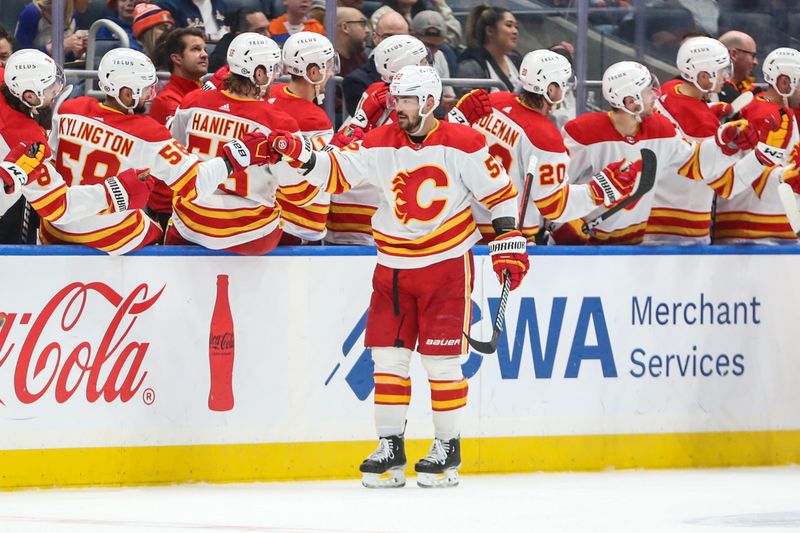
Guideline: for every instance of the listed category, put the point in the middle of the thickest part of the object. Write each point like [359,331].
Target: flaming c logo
[406,187]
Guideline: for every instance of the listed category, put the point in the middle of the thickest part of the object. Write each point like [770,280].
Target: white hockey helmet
[704,54]
[782,62]
[628,78]
[540,68]
[123,67]
[249,50]
[419,81]
[398,51]
[307,48]
[35,71]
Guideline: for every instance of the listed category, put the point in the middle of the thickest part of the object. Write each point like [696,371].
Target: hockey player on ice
[33,84]
[524,140]
[241,216]
[310,59]
[595,139]
[757,215]
[427,172]
[94,140]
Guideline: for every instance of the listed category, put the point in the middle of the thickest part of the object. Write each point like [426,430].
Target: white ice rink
[702,501]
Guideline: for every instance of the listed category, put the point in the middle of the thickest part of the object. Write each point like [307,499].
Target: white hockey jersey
[426,189]
[757,215]
[593,142]
[243,208]
[526,142]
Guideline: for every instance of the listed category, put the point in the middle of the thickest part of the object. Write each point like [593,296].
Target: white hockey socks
[448,394]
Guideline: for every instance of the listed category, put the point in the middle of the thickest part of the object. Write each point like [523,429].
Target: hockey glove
[21,161]
[250,150]
[614,182]
[347,135]
[291,146]
[735,136]
[721,109]
[509,253]
[128,190]
[372,108]
[472,107]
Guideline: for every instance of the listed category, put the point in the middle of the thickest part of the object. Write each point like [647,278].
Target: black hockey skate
[440,467]
[385,467]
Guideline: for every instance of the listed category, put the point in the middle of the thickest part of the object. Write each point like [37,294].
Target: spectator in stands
[429,27]
[317,11]
[150,23]
[743,51]
[352,30]
[492,34]
[242,20]
[410,8]
[354,84]
[123,17]
[355,4]
[294,20]
[184,49]
[209,15]
[35,29]
[6,46]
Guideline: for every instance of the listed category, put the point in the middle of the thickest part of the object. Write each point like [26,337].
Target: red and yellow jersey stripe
[750,226]
[633,234]
[488,234]
[506,193]
[220,223]
[553,205]
[312,217]
[109,240]
[351,218]
[666,221]
[451,234]
[52,205]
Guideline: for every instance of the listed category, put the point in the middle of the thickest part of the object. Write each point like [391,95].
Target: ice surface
[702,501]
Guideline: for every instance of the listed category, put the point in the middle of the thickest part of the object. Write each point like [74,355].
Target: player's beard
[44,117]
[412,124]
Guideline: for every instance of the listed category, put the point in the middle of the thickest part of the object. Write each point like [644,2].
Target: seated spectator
[317,11]
[410,8]
[492,34]
[354,84]
[242,20]
[295,19]
[150,23]
[209,15]
[35,29]
[123,17]
[352,30]
[429,27]
[6,47]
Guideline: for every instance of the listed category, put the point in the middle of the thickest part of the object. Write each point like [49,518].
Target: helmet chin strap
[129,109]
[422,118]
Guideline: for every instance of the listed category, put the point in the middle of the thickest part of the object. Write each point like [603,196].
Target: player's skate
[385,467]
[440,467]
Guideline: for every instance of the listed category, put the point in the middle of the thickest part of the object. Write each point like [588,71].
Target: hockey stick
[737,105]
[490,346]
[646,182]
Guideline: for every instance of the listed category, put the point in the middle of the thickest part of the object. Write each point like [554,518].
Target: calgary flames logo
[406,187]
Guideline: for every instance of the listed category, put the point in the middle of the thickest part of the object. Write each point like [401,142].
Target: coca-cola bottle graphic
[220,350]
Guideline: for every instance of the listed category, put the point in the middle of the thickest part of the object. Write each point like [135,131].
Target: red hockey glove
[21,161]
[614,182]
[129,190]
[509,253]
[251,150]
[372,108]
[721,109]
[291,146]
[472,107]
[346,135]
[735,136]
